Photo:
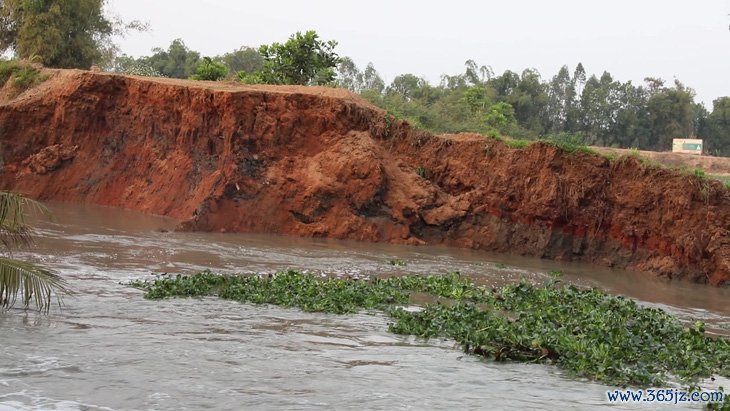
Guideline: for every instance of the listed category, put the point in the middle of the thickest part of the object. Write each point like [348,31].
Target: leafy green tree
[125,64]
[246,59]
[455,82]
[210,70]
[630,126]
[408,86]
[250,78]
[371,80]
[671,114]
[20,278]
[303,59]
[122,62]
[372,86]
[653,85]
[501,116]
[529,99]
[477,98]
[349,76]
[717,128]
[572,110]
[473,75]
[451,111]
[178,61]
[477,75]
[579,78]
[60,33]
[505,84]
[599,106]
[561,100]
[700,120]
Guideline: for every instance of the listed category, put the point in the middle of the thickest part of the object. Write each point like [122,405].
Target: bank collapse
[320,162]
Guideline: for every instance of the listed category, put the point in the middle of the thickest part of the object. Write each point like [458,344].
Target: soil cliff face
[320,162]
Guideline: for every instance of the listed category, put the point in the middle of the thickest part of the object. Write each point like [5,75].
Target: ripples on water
[110,349]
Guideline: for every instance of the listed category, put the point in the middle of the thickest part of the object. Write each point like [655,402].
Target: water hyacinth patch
[288,289]
[586,332]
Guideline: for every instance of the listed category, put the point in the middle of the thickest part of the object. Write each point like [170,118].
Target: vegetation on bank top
[210,70]
[21,75]
[569,143]
[303,59]
[586,332]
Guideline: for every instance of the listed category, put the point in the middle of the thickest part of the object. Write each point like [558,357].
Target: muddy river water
[109,349]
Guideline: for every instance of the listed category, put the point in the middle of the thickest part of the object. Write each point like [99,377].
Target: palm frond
[14,231]
[33,283]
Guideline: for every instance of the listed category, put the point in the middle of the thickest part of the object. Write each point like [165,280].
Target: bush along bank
[22,76]
[586,332]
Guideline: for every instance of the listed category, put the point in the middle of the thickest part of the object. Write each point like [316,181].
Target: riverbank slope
[321,162]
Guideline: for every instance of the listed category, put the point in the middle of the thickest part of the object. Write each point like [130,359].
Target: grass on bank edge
[586,332]
[22,75]
[723,179]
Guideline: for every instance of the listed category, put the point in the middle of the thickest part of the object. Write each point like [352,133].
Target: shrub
[22,75]
[210,70]
[517,144]
[250,78]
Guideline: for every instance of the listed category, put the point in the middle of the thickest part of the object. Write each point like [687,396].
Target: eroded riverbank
[320,162]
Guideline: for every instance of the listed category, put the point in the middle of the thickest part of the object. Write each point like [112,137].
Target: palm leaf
[33,283]
[14,231]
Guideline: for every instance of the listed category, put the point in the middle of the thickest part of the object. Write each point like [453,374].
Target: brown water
[111,349]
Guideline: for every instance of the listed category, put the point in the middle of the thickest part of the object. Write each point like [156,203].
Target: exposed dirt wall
[320,162]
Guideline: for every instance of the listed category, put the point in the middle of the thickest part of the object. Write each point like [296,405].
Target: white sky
[631,39]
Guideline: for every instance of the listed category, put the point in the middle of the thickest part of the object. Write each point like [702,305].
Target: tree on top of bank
[304,59]
[60,33]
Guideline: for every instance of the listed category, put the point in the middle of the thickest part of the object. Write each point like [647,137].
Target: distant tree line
[595,110]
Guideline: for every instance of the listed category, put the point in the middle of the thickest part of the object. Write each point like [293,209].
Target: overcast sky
[631,39]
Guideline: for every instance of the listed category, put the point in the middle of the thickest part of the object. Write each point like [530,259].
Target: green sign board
[692,147]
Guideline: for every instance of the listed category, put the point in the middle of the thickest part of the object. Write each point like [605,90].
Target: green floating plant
[586,332]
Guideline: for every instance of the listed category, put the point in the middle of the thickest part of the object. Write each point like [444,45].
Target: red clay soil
[320,162]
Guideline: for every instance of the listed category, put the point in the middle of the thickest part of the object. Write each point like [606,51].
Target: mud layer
[320,162]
